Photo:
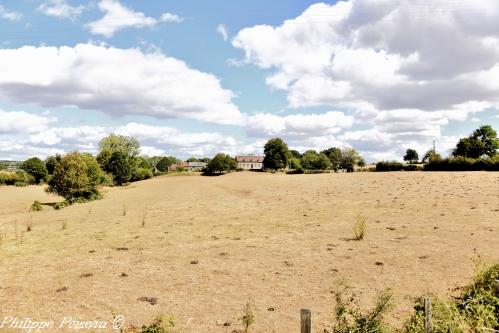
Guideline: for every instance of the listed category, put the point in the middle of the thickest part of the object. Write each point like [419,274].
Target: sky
[194,78]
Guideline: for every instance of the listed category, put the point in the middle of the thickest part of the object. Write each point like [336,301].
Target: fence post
[427,315]
[306,321]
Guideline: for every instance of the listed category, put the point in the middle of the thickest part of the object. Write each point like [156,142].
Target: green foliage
[2,165]
[192,159]
[124,144]
[335,156]
[36,206]
[18,178]
[349,318]
[312,160]
[219,164]
[76,177]
[165,162]
[482,142]
[389,166]
[35,167]
[120,167]
[476,308]
[350,158]
[411,156]
[142,162]
[431,156]
[464,164]
[295,164]
[141,174]
[276,154]
[51,163]
[294,154]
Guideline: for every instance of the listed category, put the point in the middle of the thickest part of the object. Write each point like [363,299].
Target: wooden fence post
[306,321]
[427,315]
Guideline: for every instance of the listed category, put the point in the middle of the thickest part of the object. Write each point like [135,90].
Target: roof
[249,158]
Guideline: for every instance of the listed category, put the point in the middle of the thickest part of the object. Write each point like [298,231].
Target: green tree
[220,163]
[312,160]
[192,159]
[120,167]
[75,177]
[127,145]
[35,167]
[335,156]
[411,156]
[295,164]
[276,154]
[483,141]
[349,159]
[295,154]
[2,165]
[431,156]
[165,162]
[51,162]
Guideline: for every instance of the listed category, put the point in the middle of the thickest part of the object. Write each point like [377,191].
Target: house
[249,162]
[187,166]
[196,166]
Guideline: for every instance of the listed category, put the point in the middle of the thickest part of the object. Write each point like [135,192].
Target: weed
[162,324]
[248,317]
[359,228]
[351,319]
[144,219]
[29,226]
[64,225]
[36,206]
[124,210]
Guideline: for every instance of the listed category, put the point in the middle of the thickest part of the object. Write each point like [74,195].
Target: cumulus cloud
[118,17]
[169,17]
[22,122]
[61,9]
[404,69]
[9,15]
[102,78]
[298,125]
[222,30]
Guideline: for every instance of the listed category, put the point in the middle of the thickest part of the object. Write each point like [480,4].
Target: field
[205,246]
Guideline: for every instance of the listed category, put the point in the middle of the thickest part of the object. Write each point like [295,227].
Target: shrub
[161,324]
[120,167]
[35,167]
[312,160]
[75,178]
[463,164]
[36,206]
[142,174]
[51,163]
[389,166]
[165,162]
[477,307]
[351,319]
[18,178]
[359,228]
[248,317]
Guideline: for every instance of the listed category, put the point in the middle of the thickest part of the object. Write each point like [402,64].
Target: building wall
[250,166]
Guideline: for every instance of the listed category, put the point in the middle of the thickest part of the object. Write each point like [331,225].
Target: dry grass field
[204,246]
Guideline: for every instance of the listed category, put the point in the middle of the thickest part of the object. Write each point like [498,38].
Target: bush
[36,206]
[35,167]
[359,228]
[389,166]
[477,307]
[120,167]
[76,178]
[141,174]
[351,319]
[18,178]
[463,164]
